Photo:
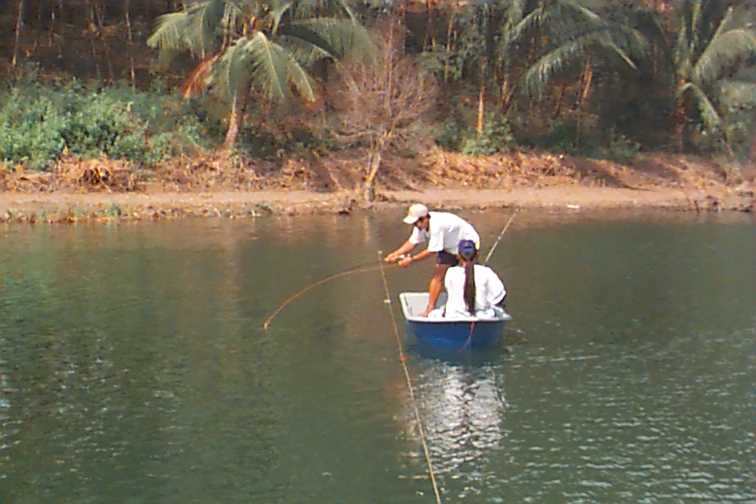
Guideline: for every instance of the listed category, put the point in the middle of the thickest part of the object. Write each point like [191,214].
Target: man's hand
[405,261]
[391,258]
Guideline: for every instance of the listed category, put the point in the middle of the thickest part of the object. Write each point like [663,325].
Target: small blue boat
[447,332]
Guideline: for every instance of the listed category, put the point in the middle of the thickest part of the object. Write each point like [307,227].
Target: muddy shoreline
[72,207]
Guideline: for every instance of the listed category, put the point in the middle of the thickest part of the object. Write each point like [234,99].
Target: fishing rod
[501,235]
[362,268]
[468,342]
[357,269]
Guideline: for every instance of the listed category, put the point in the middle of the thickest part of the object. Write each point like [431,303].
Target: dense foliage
[39,123]
[603,78]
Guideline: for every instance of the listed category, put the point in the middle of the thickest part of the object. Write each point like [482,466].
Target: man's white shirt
[444,233]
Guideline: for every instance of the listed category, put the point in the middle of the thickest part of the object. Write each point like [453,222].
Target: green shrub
[620,148]
[496,137]
[38,123]
[442,64]
[451,136]
[31,133]
[561,138]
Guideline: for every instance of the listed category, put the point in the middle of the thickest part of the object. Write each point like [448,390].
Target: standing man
[443,231]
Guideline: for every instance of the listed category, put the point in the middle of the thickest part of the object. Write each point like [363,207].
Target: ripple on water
[133,369]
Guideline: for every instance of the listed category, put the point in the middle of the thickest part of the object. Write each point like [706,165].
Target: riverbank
[209,187]
[75,207]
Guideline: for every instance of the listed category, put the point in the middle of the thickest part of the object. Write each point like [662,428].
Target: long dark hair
[469,258]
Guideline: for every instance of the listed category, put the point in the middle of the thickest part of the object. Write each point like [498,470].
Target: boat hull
[465,332]
[481,334]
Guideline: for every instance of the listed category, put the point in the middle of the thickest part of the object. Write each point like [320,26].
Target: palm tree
[565,36]
[712,43]
[514,13]
[262,44]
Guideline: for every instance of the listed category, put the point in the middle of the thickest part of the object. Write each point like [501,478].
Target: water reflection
[6,394]
[462,404]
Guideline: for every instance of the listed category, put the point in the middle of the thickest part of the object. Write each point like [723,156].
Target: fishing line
[299,293]
[468,342]
[403,361]
[363,268]
[501,235]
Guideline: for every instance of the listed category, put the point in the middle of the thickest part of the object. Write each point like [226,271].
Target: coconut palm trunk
[584,92]
[19,27]
[481,122]
[679,132]
[98,15]
[560,101]
[449,45]
[132,72]
[51,30]
[236,119]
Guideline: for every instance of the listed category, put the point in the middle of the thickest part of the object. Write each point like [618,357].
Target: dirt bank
[206,187]
[73,207]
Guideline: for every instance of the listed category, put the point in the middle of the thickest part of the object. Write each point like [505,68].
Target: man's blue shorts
[446,259]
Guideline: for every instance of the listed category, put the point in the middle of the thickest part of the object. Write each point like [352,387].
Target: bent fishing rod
[362,268]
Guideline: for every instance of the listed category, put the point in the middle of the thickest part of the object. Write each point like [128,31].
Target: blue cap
[466,248]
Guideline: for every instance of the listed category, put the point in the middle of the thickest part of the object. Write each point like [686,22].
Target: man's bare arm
[397,254]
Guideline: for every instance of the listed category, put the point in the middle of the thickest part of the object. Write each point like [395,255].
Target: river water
[133,367]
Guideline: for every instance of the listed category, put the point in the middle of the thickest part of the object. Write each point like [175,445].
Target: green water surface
[133,367]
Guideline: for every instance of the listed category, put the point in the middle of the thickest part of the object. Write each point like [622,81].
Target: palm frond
[344,5]
[206,17]
[583,11]
[316,8]
[631,41]
[711,118]
[303,51]
[169,32]
[514,13]
[269,63]
[725,23]
[301,80]
[277,13]
[534,20]
[738,93]
[231,73]
[620,53]
[558,19]
[722,52]
[696,22]
[649,24]
[194,28]
[555,61]
[231,17]
[333,38]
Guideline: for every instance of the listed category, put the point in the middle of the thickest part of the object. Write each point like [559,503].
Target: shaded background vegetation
[601,78]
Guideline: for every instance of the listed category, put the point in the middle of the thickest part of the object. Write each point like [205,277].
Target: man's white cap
[416,211]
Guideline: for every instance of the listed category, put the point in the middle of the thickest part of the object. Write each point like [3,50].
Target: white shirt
[489,291]
[444,233]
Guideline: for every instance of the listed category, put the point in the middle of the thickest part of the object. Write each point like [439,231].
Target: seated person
[472,289]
